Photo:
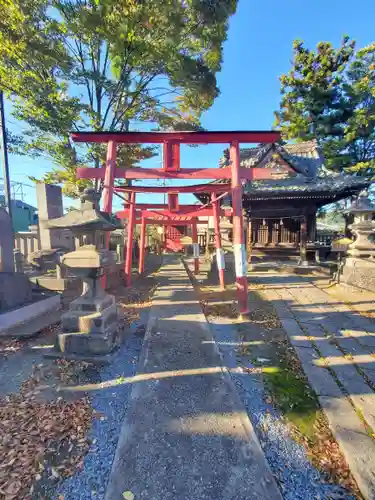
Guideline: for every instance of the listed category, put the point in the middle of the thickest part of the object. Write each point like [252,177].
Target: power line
[4,151]
[16,189]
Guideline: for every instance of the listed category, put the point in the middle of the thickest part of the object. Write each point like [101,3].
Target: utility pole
[4,159]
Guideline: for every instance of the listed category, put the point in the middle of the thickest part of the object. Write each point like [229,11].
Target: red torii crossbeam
[136,173]
[198,188]
[184,137]
[172,170]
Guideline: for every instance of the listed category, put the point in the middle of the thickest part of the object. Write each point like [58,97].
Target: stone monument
[52,240]
[359,266]
[91,324]
[50,206]
[23,309]
[6,242]
[15,288]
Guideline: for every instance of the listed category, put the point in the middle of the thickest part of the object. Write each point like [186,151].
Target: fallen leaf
[128,495]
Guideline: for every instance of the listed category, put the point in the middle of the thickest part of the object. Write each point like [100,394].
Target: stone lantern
[359,267]
[91,324]
[363,228]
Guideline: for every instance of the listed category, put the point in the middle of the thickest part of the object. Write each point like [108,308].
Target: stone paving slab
[356,445]
[186,434]
[332,375]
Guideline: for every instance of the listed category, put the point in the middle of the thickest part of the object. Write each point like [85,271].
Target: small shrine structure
[281,207]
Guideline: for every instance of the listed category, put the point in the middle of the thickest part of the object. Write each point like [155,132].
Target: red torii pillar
[109,180]
[219,251]
[129,248]
[142,247]
[239,248]
[194,236]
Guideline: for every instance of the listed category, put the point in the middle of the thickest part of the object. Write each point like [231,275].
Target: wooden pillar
[303,242]
[129,246]
[239,249]
[219,251]
[311,227]
[269,234]
[109,180]
[249,239]
[142,247]
[194,235]
[207,249]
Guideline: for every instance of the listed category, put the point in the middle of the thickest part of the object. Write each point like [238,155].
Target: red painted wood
[171,156]
[176,157]
[137,173]
[142,248]
[173,239]
[159,206]
[129,248]
[238,230]
[173,204]
[198,188]
[216,217]
[209,137]
[194,235]
[168,222]
[109,178]
[150,214]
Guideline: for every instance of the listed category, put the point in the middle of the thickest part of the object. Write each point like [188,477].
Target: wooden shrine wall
[275,232]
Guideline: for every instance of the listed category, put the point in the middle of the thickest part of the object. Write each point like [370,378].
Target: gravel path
[111,404]
[296,476]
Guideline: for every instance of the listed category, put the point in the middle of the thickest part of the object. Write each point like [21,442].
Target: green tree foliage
[118,65]
[329,94]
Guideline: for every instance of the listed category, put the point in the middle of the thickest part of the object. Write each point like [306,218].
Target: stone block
[24,314]
[94,322]
[56,284]
[15,290]
[6,242]
[359,272]
[83,344]
[358,448]
[319,378]
[50,206]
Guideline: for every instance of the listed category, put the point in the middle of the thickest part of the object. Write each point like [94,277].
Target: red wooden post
[171,156]
[239,249]
[219,251]
[194,235]
[109,179]
[142,247]
[129,248]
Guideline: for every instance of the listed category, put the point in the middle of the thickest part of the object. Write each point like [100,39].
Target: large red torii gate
[172,170]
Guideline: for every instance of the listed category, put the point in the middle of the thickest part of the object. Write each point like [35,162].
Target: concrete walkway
[186,434]
[336,347]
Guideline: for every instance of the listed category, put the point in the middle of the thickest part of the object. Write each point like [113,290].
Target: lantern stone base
[90,326]
[359,272]
[86,343]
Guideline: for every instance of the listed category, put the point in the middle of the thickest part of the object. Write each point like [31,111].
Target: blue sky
[258,50]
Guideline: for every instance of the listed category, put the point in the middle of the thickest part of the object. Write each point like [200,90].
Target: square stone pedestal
[359,272]
[90,326]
